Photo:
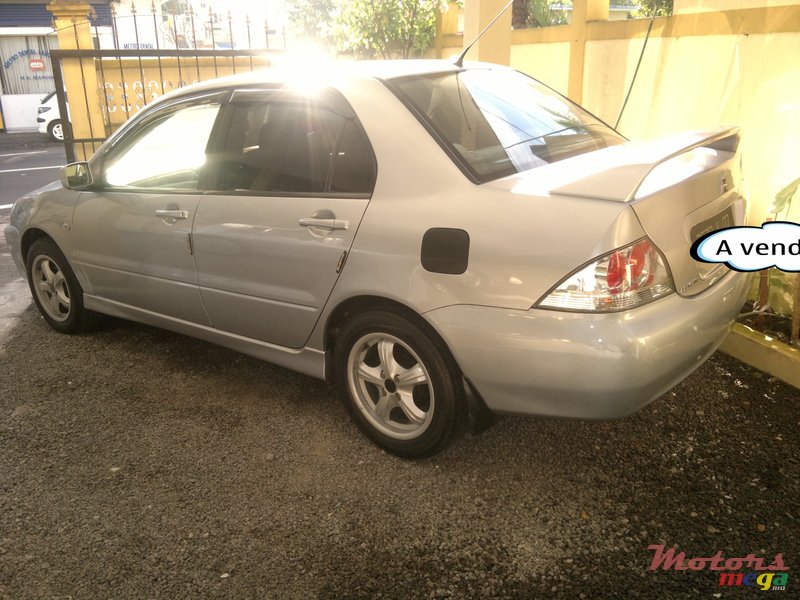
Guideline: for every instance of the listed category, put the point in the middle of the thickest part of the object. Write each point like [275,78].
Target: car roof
[321,74]
[328,72]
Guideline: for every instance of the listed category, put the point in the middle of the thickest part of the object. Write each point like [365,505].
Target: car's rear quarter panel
[520,245]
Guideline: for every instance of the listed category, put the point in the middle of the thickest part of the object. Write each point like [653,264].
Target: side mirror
[76,176]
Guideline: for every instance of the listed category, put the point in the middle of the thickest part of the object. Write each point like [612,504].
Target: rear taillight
[624,279]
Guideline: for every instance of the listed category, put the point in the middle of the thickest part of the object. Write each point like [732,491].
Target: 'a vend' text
[750,571]
[774,244]
[762,249]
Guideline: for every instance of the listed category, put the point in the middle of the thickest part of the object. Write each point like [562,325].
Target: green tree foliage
[386,28]
[369,28]
[314,19]
[648,8]
[537,13]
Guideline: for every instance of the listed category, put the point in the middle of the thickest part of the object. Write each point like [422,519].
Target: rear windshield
[497,123]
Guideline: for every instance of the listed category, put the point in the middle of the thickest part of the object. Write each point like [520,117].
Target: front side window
[167,151]
[502,122]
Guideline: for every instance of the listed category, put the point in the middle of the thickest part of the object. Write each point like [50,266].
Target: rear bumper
[592,366]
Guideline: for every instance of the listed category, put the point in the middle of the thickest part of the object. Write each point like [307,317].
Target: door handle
[332,224]
[165,213]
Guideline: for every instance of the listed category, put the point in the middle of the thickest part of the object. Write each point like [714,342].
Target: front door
[133,230]
[293,179]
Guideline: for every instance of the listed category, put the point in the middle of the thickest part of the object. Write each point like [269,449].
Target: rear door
[133,228]
[292,178]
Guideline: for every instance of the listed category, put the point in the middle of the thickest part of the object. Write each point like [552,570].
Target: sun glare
[308,66]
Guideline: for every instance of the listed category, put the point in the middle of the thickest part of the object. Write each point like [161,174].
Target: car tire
[398,382]
[55,131]
[56,290]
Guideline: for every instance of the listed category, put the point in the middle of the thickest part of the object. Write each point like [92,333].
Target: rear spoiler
[619,171]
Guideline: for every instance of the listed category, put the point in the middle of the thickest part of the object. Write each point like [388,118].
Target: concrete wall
[545,62]
[698,82]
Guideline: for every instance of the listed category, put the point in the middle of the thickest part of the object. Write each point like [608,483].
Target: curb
[765,353]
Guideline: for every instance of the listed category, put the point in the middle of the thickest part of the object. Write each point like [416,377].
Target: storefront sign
[30,52]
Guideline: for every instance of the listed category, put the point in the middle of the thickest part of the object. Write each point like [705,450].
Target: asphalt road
[136,463]
[27,162]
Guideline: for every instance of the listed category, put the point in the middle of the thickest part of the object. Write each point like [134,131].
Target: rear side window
[353,167]
[291,147]
[496,123]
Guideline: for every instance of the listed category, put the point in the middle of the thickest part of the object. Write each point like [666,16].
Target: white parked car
[49,118]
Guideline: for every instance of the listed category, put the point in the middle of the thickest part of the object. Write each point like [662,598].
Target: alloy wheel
[391,386]
[51,288]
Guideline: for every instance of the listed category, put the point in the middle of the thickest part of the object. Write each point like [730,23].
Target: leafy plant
[649,8]
[314,19]
[779,292]
[790,290]
[386,28]
[369,28]
[783,199]
[538,13]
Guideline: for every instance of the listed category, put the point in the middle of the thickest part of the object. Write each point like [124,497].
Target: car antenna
[459,62]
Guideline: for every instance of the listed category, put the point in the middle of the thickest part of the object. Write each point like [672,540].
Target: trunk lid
[676,216]
[679,187]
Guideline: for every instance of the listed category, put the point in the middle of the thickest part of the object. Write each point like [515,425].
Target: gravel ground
[137,463]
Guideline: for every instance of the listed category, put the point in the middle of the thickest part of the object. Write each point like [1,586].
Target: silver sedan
[440,241]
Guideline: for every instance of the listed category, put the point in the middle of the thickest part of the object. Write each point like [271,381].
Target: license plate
[719,221]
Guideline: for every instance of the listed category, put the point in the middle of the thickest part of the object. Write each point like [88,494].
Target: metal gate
[128,79]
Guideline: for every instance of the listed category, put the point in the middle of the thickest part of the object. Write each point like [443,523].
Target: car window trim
[148,191]
[279,194]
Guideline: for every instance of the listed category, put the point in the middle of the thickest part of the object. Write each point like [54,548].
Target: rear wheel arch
[361,304]
[479,416]
[395,375]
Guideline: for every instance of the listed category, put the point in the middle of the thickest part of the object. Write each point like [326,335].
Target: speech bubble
[774,244]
